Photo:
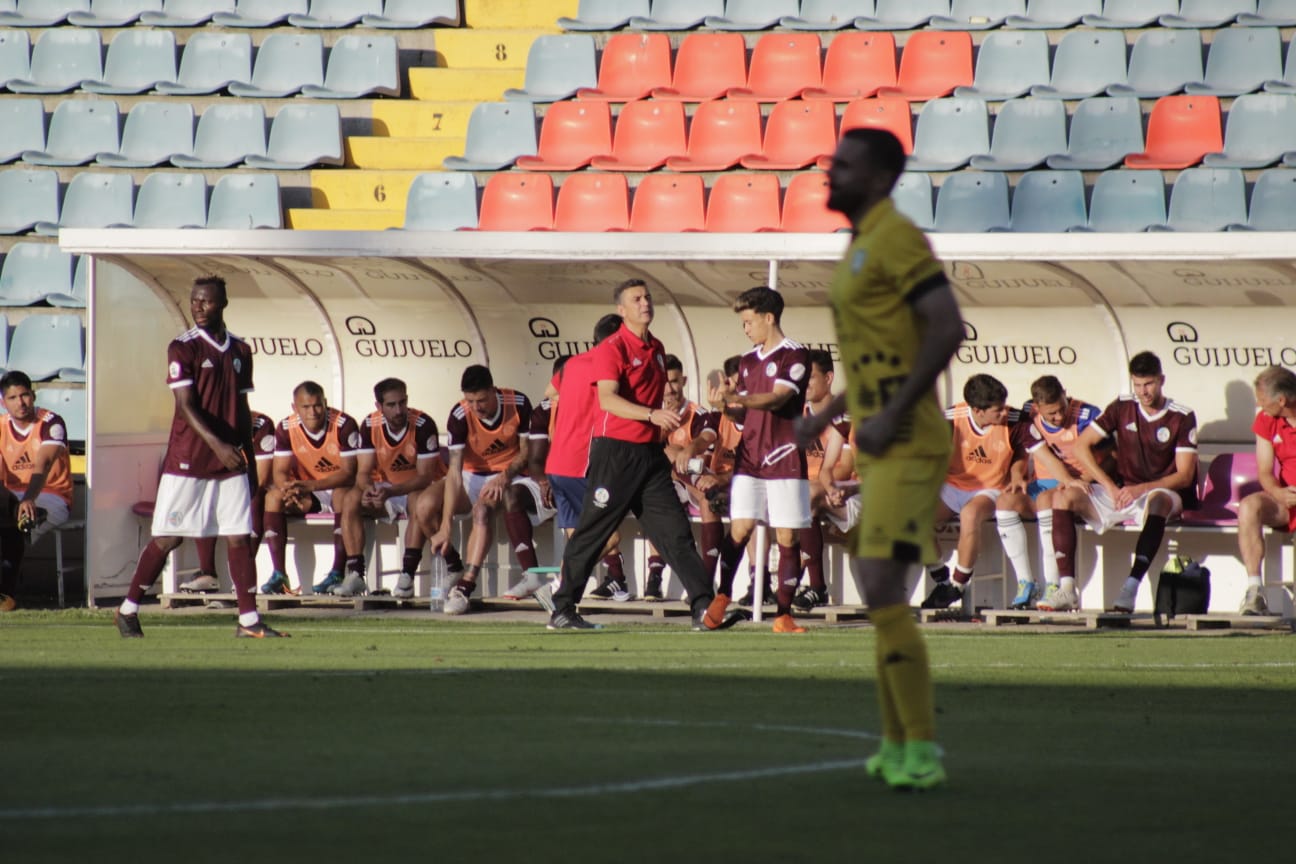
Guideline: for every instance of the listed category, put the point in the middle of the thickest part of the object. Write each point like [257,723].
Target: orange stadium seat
[932,65]
[742,203]
[648,132]
[855,66]
[572,134]
[593,202]
[668,202]
[707,66]
[1181,130]
[805,206]
[722,133]
[782,65]
[633,65]
[880,112]
[796,134]
[517,202]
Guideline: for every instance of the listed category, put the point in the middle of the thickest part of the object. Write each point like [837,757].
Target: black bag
[1183,589]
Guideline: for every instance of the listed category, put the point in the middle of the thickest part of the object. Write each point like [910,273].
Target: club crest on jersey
[174,370]
[56,432]
[857,261]
[1192,436]
[267,444]
[1163,435]
[601,496]
[353,440]
[238,365]
[797,371]
[770,369]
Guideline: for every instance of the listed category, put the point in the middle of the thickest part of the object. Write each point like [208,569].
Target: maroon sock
[206,554]
[615,566]
[276,537]
[1064,542]
[242,575]
[961,576]
[812,546]
[410,563]
[789,574]
[151,561]
[730,553]
[453,562]
[518,526]
[712,536]
[339,548]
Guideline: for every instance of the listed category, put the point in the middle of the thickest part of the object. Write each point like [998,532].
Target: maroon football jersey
[768,448]
[263,436]
[541,419]
[220,375]
[1146,444]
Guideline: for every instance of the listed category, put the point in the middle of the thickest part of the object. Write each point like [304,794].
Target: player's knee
[166,545]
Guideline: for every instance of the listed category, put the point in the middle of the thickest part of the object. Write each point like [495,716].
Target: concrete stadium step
[486,49]
[400,154]
[511,13]
[357,189]
[409,118]
[344,220]
[474,85]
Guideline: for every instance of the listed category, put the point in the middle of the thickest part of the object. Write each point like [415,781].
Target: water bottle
[436,584]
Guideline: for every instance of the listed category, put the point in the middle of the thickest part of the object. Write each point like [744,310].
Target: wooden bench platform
[1090,620]
[1221,621]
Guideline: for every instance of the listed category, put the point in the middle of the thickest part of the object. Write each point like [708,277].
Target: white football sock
[1013,536]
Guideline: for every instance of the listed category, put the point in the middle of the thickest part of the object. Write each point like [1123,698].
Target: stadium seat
[633,64]
[1162,62]
[1131,14]
[1008,65]
[977,14]
[69,404]
[4,344]
[742,203]
[805,206]
[881,112]
[1287,84]
[668,202]
[1085,64]
[932,65]
[211,62]
[155,132]
[1125,201]
[79,130]
[185,13]
[301,136]
[572,134]
[227,134]
[1273,202]
[797,134]
[138,60]
[113,13]
[1104,130]
[707,66]
[41,13]
[33,271]
[27,197]
[517,202]
[722,132]
[970,202]
[1260,130]
[260,13]
[950,132]
[62,60]
[557,66]
[331,14]
[605,15]
[752,14]
[285,63]
[1053,14]
[414,14]
[1181,130]
[498,133]
[1206,199]
[359,66]
[95,200]
[648,132]
[15,56]
[441,202]
[171,199]
[677,14]
[1026,132]
[782,65]
[1048,202]
[242,202]
[80,286]
[22,127]
[593,202]
[1241,60]
[1270,13]
[856,65]
[902,14]
[47,347]
[829,14]
[1208,14]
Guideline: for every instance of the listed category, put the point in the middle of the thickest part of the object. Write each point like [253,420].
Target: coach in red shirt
[1275,505]
[628,470]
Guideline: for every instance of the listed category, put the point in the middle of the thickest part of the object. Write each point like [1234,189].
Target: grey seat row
[395,14]
[45,347]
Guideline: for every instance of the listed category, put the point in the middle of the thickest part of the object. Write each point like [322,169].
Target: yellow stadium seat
[412,118]
[342,189]
[345,220]
[484,49]
[477,85]
[414,154]
[511,13]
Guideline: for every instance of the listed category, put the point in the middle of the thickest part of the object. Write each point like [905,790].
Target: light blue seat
[22,127]
[211,62]
[185,13]
[1104,130]
[1026,132]
[1273,202]
[441,202]
[336,13]
[155,133]
[1260,130]
[48,346]
[1206,199]
[557,66]
[1086,63]
[69,404]
[241,202]
[949,133]
[27,197]
[1053,14]
[79,130]
[913,197]
[1208,14]
[1125,201]
[1270,13]
[41,13]
[80,283]
[1241,60]
[498,133]
[752,14]
[15,56]
[359,66]
[227,134]
[1129,14]
[412,14]
[829,14]
[1008,65]
[977,14]
[4,346]
[34,271]
[113,13]
[62,60]
[138,60]
[95,200]
[1162,62]
[285,63]
[301,136]
[260,13]
[172,199]
[903,14]
[602,15]
[970,202]
[1049,202]
[677,14]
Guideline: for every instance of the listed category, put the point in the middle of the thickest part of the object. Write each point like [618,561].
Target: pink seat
[805,206]
[593,202]
[742,203]
[648,132]
[706,67]
[783,64]
[517,202]
[856,65]
[1229,478]
[796,134]
[722,133]
[932,64]
[881,112]
[633,65]
[668,202]
[572,134]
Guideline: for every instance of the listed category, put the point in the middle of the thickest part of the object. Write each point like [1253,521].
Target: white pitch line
[721,724]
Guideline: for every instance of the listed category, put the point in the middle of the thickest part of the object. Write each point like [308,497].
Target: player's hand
[1074,483]
[1123,496]
[546,491]
[1287,495]
[874,435]
[26,513]
[230,456]
[722,396]
[682,458]
[707,481]
[492,491]
[663,419]
[834,497]
[439,542]
[1018,486]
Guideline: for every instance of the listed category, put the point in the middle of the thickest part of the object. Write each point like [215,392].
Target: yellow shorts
[898,507]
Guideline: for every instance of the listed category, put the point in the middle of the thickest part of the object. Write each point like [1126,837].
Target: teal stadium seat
[34,271]
[977,14]
[903,14]
[302,136]
[227,134]
[138,60]
[211,62]
[604,15]
[1125,201]
[1085,64]
[260,13]
[172,199]
[69,404]
[4,344]
[677,14]
[95,200]
[971,202]
[949,133]
[79,130]
[1241,60]
[242,202]
[155,132]
[1008,65]
[331,14]
[41,13]
[15,56]
[1053,14]
[1131,14]
[80,286]
[22,127]
[1260,130]
[752,14]
[185,13]
[414,14]
[498,133]
[1162,62]
[1049,202]
[47,347]
[1206,199]
[62,60]
[913,197]
[1287,84]
[829,14]
[1026,133]
[285,63]
[557,66]
[1273,202]
[441,202]
[1270,13]
[113,13]
[1104,130]
[1208,14]
[359,66]
[27,197]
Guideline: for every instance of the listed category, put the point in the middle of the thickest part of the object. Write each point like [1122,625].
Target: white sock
[247,619]
[1131,585]
[1047,551]
[128,608]
[1012,534]
[1068,583]
[1253,581]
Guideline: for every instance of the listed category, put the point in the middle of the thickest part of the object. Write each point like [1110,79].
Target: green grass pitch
[380,739]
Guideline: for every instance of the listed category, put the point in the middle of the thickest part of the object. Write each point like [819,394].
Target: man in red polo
[1275,505]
